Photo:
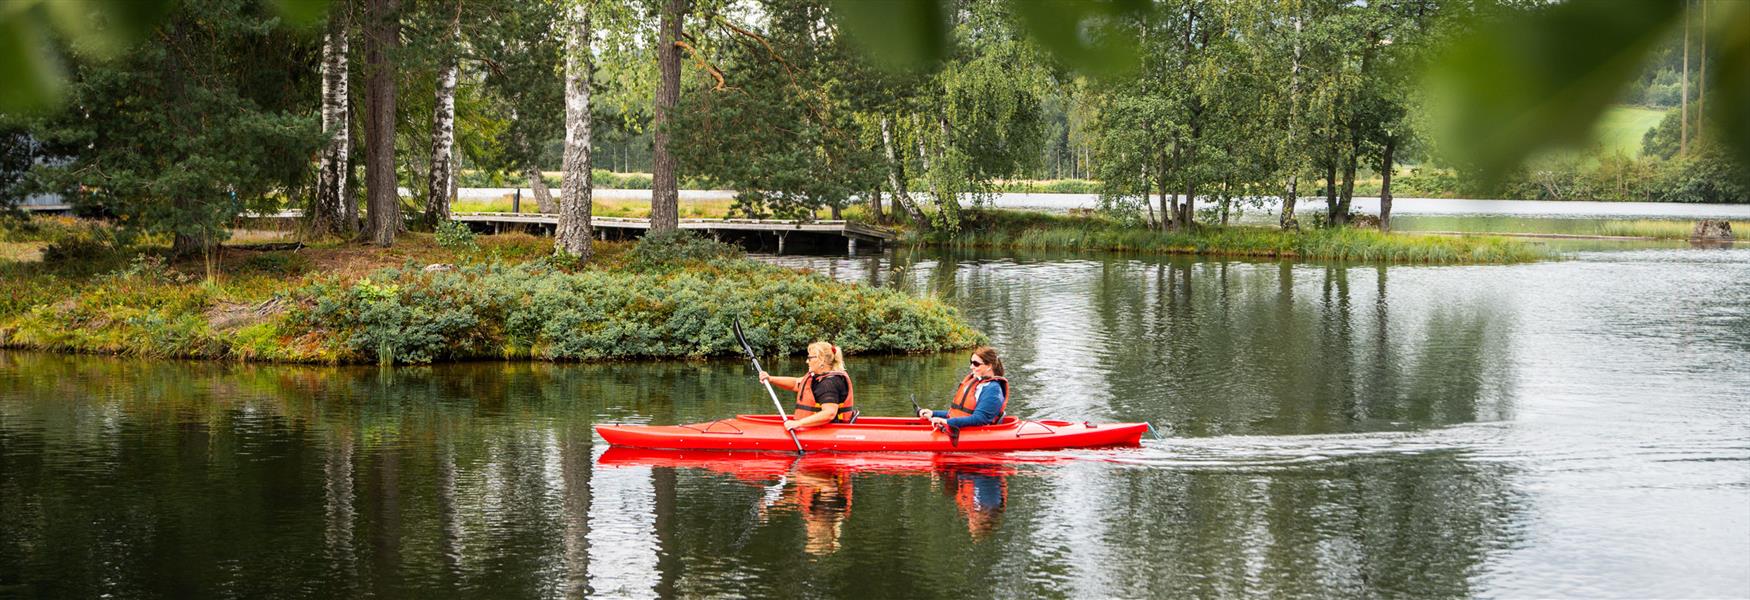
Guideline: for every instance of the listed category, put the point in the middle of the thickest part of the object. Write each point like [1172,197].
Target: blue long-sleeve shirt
[990,407]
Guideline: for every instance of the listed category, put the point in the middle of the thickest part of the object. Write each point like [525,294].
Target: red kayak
[765,466]
[874,434]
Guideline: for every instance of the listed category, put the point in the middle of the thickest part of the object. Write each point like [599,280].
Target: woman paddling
[981,399]
[824,394]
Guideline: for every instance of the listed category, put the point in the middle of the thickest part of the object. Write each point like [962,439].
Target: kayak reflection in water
[823,498]
[981,399]
[823,395]
[981,493]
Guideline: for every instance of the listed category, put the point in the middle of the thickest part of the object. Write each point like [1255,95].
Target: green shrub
[680,246]
[410,316]
[456,235]
[83,241]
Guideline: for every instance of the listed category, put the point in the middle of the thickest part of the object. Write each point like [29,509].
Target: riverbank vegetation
[1040,231]
[184,115]
[491,297]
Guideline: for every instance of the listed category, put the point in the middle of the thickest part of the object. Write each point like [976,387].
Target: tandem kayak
[763,467]
[874,434]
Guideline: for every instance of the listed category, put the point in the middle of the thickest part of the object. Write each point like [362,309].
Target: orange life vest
[965,400]
[966,492]
[806,406]
[834,502]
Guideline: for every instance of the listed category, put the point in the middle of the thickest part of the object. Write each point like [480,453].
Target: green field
[1622,127]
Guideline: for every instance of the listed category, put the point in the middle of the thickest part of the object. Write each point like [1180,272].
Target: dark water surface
[1569,428]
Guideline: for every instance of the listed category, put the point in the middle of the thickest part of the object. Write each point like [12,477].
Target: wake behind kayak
[873,434]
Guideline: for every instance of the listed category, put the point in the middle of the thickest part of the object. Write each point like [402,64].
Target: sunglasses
[976,363]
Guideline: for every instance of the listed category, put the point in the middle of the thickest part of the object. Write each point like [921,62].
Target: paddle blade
[742,337]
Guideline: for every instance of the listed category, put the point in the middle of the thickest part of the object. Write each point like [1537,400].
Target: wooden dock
[755,230]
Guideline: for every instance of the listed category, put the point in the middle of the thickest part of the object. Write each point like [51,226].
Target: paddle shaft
[769,391]
[778,405]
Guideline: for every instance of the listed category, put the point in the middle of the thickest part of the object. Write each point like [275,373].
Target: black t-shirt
[830,390]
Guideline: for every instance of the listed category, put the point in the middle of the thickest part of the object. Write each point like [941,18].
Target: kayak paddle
[953,432]
[756,367]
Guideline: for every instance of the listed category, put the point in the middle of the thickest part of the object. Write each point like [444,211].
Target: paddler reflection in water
[824,394]
[823,498]
[981,493]
[981,399]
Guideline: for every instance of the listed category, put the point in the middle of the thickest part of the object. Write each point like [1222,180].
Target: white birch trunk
[443,141]
[329,212]
[1293,194]
[896,178]
[574,232]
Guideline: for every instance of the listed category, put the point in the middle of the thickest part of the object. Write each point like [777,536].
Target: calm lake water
[1570,428]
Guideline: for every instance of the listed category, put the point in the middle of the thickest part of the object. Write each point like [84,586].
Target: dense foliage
[663,299]
[180,135]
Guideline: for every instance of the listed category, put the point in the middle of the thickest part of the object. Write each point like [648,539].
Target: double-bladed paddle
[756,367]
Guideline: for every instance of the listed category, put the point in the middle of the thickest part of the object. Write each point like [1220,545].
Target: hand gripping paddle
[745,348]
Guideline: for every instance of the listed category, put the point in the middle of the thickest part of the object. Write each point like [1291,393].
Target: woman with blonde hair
[823,395]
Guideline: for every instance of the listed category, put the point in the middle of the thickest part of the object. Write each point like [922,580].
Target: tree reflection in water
[173,478]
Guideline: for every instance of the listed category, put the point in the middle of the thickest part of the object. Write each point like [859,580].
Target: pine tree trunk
[1188,210]
[896,179]
[443,138]
[384,37]
[1683,116]
[1385,169]
[1701,91]
[327,212]
[664,188]
[538,186]
[574,232]
[875,213]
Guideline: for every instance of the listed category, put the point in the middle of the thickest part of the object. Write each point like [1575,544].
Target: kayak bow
[873,434]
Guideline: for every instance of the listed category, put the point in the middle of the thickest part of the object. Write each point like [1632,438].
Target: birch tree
[574,232]
[440,181]
[333,210]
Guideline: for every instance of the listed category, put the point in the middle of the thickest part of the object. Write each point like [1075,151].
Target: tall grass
[1009,229]
[1661,229]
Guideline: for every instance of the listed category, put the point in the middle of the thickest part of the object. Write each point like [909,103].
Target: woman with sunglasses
[981,399]
[823,395]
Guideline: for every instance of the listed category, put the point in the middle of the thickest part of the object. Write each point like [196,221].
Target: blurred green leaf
[908,34]
[106,28]
[1085,34]
[32,74]
[1514,86]
[1729,88]
[33,77]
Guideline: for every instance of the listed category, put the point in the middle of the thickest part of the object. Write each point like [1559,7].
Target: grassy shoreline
[1041,231]
[499,297]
